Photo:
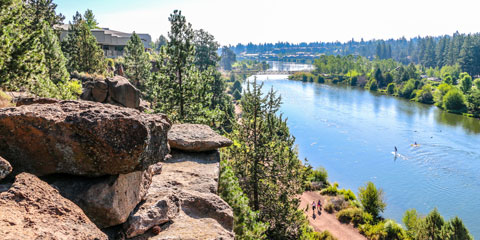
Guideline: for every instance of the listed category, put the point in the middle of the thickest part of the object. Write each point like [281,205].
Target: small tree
[137,62]
[454,229]
[90,19]
[237,95]
[430,227]
[465,83]
[372,199]
[454,100]
[391,88]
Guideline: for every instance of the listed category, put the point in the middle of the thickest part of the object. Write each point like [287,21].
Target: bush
[454,101]
[347,194]
[424,95]
[331,190]
[372,85]
[329,207]
[374,232]
[371,199]
[320,175]
[326,235]
[320,79]
[353,81]
[391,88]
[237,95]
[354,215]
[407,89]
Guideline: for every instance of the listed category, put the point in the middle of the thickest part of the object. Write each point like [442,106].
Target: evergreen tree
[137,62]
[371,199]
[266,162]
[180,49]
[430,227]
[41,11]
[55,61]
[455,230]
[90,19]
[227,59]
[205,50]
[465,83]
[81,49]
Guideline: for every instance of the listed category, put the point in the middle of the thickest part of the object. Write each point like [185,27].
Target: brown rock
[184,197]
[196,138]
[31,209]
[5,168]
[122,92]
[108,200]
[35,100]
[81,138]
[99,91]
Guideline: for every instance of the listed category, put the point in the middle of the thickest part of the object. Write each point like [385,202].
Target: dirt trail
[326,221]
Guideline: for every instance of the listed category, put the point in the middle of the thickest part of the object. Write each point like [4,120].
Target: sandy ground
[326,221]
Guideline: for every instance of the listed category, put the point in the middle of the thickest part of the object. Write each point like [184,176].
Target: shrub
[347,194]
[372,85]
[237,95]
[320,175]
[407,89]
[424,95]
[331,190]
[353,81]
[454,101]
[371,199]
[329,207]
[374,232]
[391,88]
[326,235]
[440,92]
[354,215]
[320,79]
[394,230]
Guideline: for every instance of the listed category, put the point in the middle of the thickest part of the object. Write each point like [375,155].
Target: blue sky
[234,21]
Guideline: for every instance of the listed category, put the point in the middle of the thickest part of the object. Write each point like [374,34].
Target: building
[112,42]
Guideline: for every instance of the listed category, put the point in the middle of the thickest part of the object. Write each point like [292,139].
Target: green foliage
[237,95]
[391,88]
[410,219]
[354,215]
[227,59]
[348,195]
[454,101]
[371,199]
[425,95]
[374,232]
[407,89]
[205,50]
[465,83]
[81,49]
[331,190]
[320,79]
[430,227]
[473,100]
[394,230]
[237,86]
[476,82]
[330,208]
[137,62]
[372,85]
[246,221]
[307,233]
[90,19]
[455,230]
[320,174]
[266,162]
[5,100]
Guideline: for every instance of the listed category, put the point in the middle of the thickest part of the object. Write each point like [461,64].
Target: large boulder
[35,100]
[5,168]
[184,197]
[81,138]
[107,200]
[31,209]
[196,138]
[121,91]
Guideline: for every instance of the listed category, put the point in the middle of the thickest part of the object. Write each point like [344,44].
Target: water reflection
[471,125]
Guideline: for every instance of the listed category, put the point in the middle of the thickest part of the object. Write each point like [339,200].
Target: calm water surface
[352,133]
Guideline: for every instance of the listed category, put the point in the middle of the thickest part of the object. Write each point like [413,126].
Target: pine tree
[81,49]
[137,62]
[266,163]
[205,50]
[180,49]
[90,19]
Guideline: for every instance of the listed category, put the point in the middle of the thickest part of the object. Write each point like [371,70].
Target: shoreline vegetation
[447,88]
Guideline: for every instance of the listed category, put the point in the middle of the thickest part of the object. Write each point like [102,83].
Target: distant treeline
[462,49]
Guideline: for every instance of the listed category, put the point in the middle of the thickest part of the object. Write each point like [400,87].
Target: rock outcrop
[117,90]
[184,198]
[196,138]
[35,100]
[81,138]
[31,209]
[107,200]
[5,168]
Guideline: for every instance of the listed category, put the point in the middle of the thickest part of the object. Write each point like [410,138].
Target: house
[112,42]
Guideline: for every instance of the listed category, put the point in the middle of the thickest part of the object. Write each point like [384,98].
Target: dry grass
[5,100]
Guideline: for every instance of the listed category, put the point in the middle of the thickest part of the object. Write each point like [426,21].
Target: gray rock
[196,138]
[5,168]
[81,138]
[108,200]
[184,195]
[31,209]
[121,91]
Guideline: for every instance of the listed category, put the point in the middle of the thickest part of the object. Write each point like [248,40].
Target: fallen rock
[184,197]
[5,168]
[34,210]
[196,138]
[108,200]
[81,138]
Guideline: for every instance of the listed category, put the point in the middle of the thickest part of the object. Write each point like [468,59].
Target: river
[352,133]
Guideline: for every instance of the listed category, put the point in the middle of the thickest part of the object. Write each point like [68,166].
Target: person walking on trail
[319,205]
[313,206]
